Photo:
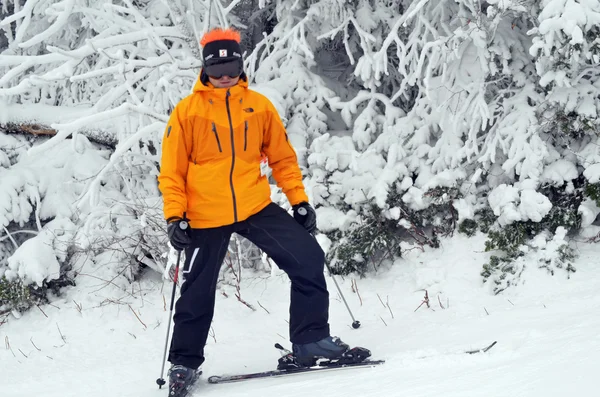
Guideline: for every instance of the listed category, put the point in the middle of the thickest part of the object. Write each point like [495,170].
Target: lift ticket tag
[264,165]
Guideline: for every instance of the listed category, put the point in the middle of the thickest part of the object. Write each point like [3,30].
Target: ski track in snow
[547,333]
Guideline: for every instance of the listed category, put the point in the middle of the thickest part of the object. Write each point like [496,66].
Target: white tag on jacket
[264,165]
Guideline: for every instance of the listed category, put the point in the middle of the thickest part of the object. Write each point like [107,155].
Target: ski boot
[329,348]
[181,380]
[332,349]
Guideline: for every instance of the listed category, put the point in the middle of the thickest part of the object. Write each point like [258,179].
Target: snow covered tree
[442,105]
[104,76]
[567,53]
[564,124]
[430,105]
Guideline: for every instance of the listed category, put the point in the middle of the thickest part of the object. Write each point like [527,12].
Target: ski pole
[161,381]
[355,324]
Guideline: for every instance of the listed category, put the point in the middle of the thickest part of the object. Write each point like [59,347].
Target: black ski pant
[294,251]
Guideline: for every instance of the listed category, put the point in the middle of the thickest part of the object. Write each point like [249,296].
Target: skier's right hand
[178,231]
[305,215]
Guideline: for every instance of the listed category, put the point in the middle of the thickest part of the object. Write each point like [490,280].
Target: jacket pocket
[245,135]
[214,128]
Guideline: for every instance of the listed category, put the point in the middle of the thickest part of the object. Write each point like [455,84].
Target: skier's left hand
[305,215]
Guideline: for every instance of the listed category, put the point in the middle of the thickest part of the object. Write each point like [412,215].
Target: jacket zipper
[235,217]
[245,134]
[214,128]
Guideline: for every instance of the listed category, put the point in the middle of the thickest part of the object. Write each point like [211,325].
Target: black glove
[305,215]
[178,231]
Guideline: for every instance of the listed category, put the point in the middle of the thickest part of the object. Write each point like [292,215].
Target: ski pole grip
[183,225]
[302,211]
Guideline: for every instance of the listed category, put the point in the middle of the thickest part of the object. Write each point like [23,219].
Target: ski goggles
[232,69]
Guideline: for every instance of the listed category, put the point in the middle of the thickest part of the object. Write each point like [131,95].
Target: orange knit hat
[221,45]
[220,34]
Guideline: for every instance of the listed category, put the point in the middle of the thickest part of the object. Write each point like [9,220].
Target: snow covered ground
[90,343]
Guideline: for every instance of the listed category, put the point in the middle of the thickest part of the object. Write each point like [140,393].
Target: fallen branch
[355,289]
[387,304]
[383,304]
[425,301]
[239,298]
[79,306]
[61,335]
[238,280]
[35,129]
[31,340]
[108,301]
[38,306]
[593,239]
[108,282]
[263,307]
[5,319]
[137,316]
[7,344]
[440,301]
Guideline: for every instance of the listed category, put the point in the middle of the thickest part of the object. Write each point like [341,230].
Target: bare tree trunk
[101,137]
[3,37]
[257,21]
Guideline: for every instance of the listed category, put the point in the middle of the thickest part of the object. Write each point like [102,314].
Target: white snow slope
[547,331]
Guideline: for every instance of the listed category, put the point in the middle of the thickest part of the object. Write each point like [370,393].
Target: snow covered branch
[126,66]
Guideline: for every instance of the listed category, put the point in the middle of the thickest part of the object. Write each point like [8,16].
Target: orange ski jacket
[211,153]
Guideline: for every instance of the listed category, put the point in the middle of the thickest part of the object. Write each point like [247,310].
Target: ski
[321,367]
[273,373]
[474,351]
[484,350]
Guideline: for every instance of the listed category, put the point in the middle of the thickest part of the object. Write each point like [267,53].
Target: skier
[212,178]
